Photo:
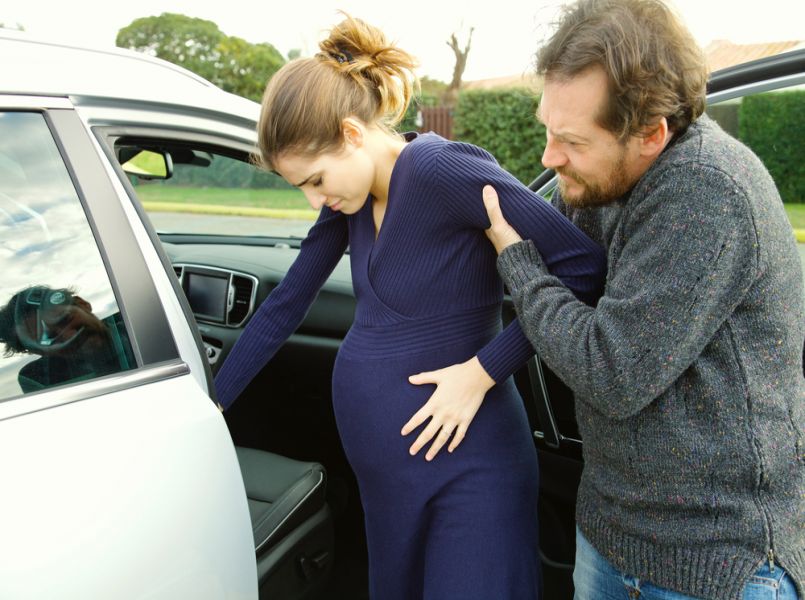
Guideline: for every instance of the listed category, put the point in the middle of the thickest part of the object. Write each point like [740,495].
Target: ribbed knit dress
[463,526]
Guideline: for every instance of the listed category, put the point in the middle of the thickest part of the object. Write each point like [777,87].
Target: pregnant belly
[372,400]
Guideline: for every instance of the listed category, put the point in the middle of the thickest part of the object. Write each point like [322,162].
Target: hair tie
[342,56]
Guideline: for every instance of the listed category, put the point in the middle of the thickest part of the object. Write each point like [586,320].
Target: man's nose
[552,156]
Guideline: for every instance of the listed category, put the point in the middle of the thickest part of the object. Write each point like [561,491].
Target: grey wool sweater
[687,375]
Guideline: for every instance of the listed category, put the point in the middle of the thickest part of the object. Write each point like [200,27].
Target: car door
[119,476]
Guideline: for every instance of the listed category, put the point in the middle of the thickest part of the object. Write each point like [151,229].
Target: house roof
[723,53]
[720,54]
[529,80]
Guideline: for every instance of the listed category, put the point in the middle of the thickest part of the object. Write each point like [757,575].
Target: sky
[506,32]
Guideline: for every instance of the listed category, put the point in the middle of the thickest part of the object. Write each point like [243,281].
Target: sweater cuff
[506,353]
[520,263]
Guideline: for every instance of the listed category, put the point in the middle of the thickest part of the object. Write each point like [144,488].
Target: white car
[120,478]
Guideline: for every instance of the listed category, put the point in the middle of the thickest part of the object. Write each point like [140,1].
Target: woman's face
[340,180]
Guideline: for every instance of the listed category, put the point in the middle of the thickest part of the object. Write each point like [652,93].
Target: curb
[232,211]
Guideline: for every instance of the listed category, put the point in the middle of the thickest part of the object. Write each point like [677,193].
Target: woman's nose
[315,199]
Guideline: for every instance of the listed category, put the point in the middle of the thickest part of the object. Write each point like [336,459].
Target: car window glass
[59,320]
[770,124]
[212,193]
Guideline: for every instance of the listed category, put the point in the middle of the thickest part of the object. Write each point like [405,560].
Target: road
[195,223]
[235,225]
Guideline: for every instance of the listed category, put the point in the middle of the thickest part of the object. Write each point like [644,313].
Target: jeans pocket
[770,585]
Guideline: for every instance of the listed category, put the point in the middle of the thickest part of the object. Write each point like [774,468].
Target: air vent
[244,297]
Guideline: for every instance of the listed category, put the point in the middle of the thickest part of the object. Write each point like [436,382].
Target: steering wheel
[42,318]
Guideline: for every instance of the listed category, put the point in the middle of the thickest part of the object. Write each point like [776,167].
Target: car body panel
[125,485]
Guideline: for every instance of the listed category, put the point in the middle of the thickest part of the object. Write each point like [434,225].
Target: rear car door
[119,476]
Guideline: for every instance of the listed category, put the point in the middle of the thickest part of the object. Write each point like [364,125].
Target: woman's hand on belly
[460,390]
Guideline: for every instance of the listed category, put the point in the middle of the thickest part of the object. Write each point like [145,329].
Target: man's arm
[688,257]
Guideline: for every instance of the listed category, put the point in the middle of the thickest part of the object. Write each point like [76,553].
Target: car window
[209,192]
[59,319]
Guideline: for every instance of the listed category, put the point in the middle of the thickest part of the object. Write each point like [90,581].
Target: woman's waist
[468,329]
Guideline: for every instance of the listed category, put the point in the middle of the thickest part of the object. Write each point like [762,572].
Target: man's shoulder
[711,153]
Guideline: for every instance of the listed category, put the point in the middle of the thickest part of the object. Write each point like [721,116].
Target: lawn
[294,199]
[796,214]
[260,198]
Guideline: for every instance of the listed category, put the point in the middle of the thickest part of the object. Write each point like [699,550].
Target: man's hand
[460,390]
[501,234]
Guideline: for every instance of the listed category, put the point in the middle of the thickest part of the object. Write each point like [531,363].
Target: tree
[451,94]
[231,63]
[244,68]
[186,41]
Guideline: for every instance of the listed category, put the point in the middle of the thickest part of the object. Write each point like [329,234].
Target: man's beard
[614,186]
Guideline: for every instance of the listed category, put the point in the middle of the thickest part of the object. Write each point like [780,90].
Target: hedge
[773,125]
[503,122]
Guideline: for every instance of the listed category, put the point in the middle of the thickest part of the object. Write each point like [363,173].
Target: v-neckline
[377,230]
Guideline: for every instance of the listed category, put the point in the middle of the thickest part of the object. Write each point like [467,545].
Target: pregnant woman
[459,524]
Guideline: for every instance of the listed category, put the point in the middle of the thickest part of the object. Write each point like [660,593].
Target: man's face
[594,168]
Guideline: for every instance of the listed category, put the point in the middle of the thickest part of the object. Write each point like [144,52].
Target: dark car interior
[287,410]
[303,496]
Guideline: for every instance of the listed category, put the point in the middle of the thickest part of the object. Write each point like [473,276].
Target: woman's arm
[462,172]
[285,308]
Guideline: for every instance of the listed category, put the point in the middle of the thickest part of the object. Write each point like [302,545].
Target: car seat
[292,524]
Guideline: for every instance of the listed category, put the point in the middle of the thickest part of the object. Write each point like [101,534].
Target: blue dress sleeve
[580,264]
[285,307]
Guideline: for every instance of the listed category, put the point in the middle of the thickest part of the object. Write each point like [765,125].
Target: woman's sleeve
[285,307]
[580,263]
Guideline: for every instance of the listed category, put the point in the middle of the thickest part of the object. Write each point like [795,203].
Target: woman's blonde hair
[357,73]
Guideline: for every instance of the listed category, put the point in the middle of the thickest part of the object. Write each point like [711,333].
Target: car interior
[303,497]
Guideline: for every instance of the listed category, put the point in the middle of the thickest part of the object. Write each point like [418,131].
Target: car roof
[34,66]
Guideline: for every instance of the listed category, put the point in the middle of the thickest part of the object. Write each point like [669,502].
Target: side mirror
[146,164]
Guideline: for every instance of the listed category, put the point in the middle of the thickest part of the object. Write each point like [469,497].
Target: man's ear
[353,131]
[655,139]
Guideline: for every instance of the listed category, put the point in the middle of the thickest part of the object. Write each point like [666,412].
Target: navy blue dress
[463,526]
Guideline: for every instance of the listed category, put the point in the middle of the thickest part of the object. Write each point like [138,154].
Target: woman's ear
[353,131]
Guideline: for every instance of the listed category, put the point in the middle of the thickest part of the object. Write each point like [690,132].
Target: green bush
[773,125]
[503,122]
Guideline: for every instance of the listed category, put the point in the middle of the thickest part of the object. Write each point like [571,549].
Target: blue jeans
[595,579]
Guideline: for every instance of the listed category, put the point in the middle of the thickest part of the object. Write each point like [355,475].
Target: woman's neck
[386,149]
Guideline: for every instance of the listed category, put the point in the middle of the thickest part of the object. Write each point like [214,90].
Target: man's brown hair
[654,67]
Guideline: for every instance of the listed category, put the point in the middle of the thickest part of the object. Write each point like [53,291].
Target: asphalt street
[196,223]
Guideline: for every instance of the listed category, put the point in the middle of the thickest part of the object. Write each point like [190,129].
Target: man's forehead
[572,103]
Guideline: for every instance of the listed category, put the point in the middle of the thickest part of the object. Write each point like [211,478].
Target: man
[688,373]
[58,326]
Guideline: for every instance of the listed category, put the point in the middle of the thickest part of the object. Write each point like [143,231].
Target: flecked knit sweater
[687,375]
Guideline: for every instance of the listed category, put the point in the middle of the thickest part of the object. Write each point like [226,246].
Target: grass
[796,214]
[226,197]
[290,203]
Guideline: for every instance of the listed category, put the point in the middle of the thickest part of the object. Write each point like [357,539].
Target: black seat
[293,532]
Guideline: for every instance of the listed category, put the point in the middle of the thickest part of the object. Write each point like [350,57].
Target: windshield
[212,193]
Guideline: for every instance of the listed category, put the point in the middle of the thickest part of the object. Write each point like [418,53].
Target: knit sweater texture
[687,375]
